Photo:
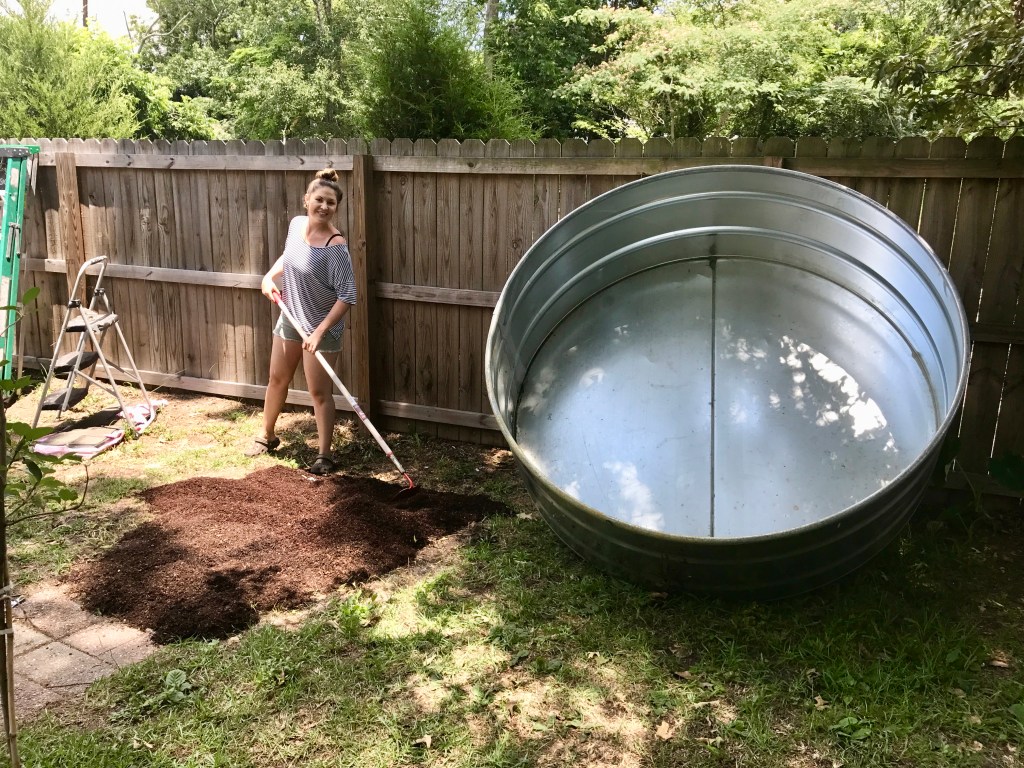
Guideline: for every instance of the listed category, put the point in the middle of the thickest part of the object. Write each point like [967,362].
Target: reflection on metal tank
[732,380]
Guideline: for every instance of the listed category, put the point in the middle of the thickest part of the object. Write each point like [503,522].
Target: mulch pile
[221,551]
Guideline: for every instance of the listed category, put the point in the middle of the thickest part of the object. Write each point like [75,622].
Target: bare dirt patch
[219,552]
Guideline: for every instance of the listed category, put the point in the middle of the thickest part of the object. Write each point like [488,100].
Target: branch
[26,499]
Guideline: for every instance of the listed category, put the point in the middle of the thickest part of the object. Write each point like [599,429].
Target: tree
[755,69]
[55,81]
[265,69]
[419,77]
[959,64]
[540,43]
[59,80]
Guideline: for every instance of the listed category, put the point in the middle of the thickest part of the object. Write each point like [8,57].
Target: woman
[318,287]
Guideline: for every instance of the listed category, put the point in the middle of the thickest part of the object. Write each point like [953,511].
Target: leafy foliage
[265,70]
[1008,471]
[30,485]
[419,78]
[56,80]
[540,43]
[958,64]
[754,69]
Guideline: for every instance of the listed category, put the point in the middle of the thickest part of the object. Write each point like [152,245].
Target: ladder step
[54,401]
[97,321]
[65,364]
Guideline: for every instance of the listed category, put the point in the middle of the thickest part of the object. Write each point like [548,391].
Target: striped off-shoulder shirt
[315,278]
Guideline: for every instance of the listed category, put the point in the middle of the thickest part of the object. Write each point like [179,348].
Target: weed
[174,689]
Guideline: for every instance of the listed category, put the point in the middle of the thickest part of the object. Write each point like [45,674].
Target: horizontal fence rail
[435,228]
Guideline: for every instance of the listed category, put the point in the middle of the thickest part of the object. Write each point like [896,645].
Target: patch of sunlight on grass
[426,693]
[107,490]
[422,608]
[471,661]
[527,701]
[606,711]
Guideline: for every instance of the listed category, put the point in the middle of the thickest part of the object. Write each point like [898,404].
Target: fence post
[70,217]
[359,242]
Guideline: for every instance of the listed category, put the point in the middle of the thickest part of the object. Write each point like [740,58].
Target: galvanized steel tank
[731,380]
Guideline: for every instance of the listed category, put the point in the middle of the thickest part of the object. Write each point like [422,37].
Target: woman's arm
[269,283]
[338,311]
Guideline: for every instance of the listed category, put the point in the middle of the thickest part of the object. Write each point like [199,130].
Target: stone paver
[30,696]
[60,649]
[51,611]
[27,638]
[115,644]
[57,665]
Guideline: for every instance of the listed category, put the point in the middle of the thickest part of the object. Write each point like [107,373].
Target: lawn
[500,647]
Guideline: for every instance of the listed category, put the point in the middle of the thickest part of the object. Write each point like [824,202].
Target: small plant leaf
[26,431]
[1017,710]
[12,385]
[33,469]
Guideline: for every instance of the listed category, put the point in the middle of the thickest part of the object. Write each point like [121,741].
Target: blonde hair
[326,177]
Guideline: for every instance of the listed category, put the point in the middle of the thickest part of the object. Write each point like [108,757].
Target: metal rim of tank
[903,241]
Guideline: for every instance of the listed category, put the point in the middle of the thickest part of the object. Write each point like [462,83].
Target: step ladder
[17,171]
[92,323]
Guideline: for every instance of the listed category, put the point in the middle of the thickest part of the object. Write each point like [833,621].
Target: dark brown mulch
[220,551]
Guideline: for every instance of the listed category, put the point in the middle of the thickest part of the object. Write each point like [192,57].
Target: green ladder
[17,171]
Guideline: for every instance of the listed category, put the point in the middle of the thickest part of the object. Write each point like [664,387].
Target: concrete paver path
[59,649]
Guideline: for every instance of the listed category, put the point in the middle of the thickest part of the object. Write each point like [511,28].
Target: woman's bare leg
[321,389]
[284,359]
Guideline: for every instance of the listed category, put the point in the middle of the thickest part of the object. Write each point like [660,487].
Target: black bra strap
[336,234]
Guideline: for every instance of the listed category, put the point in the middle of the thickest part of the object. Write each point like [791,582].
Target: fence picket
[471,258]
[598,184]
[425,273]
[1002,302]
[941,198]
[906,195]
[877,188]
[449,227]
[205,310]
[967,265]
[403,258]
[220,298]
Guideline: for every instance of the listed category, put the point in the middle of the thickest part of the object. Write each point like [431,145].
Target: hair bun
[327,174]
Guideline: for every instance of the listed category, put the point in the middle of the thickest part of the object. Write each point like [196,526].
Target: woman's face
[321,203]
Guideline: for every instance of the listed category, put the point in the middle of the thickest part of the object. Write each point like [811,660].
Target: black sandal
[261,445]
[323,465]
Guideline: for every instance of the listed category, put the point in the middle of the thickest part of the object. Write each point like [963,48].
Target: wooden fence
[435,229]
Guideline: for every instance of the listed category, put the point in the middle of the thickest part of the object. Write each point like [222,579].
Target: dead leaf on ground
[664,731]
[423,741]
[820,703]
[685,674]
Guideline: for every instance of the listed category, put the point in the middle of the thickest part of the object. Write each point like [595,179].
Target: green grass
[514,652]
[517,653]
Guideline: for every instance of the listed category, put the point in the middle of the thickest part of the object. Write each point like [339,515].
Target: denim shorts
[287,331]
